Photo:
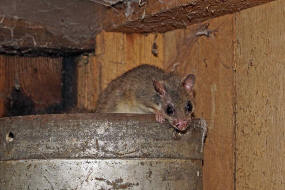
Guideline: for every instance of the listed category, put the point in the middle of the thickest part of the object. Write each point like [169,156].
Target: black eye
[169,110]
[189,107]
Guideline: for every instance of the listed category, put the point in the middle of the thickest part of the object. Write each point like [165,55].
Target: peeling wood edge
[178,17]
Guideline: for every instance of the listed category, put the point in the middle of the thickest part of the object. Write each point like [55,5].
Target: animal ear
[188,83]
[159,87]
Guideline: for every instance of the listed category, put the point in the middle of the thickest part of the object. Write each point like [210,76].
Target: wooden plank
[36,79]
[211,60]
[20,37]
[166,15]
[260,84]
[87,82]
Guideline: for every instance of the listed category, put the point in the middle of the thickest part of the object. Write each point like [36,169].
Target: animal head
[176,100]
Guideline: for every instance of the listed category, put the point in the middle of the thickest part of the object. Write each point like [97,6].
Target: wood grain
[211,60]
[87,82]
[39,78]
[260,84]
[122,52]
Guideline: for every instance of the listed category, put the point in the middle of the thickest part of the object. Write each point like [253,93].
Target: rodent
[149,89]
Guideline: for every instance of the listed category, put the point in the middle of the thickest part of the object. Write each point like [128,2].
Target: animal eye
[189,107]
[170,110]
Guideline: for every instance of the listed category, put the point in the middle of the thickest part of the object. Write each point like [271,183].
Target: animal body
[148,89]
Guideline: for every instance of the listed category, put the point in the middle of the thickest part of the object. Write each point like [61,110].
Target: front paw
[159,117]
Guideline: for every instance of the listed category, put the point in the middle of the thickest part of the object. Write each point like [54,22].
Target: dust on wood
[260,84]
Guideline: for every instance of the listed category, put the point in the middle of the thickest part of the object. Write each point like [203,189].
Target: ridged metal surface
[98,151]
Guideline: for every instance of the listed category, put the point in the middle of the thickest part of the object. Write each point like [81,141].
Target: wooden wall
[39,79]
[211,60]
[240,91]
[260,87]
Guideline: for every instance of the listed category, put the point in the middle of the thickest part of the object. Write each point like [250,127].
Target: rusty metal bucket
[97,151]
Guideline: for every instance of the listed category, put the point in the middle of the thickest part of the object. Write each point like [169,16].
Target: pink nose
[181,125]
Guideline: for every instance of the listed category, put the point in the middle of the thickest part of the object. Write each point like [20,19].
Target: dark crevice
[68,90]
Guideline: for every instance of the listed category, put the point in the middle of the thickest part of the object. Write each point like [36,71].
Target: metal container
[98,151]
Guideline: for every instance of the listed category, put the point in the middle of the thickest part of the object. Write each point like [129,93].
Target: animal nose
[181,125]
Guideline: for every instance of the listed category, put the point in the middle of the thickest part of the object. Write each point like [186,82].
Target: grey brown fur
[148,89]
[134,85]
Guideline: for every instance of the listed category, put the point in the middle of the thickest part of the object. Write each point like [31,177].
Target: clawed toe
[159,117]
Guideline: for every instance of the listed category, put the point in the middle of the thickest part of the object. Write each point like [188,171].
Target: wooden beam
[23,38]
[166,15]
[55,27]
[48,27]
